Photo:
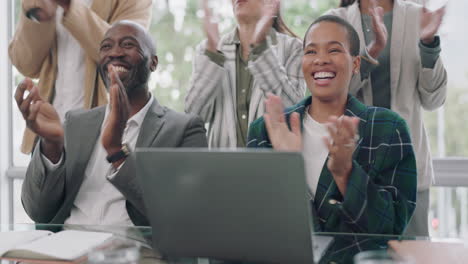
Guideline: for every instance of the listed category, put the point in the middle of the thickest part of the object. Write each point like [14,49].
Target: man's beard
[137,79]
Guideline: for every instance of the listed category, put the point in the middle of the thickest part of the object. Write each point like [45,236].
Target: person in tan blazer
[35,47]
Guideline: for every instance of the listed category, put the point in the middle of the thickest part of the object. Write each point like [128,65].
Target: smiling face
[327,64]
[248,10]
[125,46]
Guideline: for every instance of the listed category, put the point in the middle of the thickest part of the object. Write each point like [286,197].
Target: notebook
[40,246]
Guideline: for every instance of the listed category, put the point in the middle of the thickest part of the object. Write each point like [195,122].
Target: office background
[176,26]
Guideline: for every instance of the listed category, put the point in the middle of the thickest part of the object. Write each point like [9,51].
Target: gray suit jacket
[48,197]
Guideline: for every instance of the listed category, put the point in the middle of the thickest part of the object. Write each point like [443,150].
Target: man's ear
[154,63]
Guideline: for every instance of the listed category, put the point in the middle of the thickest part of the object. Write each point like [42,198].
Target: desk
[341,250]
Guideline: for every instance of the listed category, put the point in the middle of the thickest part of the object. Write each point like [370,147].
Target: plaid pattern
[381,191]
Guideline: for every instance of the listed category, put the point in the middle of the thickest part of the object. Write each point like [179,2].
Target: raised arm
[283,79]
[88,28]
[32,42]
[43,187]
[380,199]
[432,79]
[205,84]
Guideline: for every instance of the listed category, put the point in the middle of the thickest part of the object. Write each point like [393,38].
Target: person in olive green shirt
[233,74]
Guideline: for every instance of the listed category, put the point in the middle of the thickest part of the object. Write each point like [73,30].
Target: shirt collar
[139,116]
[353,108]
[233,37]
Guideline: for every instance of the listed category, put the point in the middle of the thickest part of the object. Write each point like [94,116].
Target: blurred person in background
[232,74]
[57,42]
[402,71]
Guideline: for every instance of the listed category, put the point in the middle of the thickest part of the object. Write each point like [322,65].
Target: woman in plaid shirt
[359,160]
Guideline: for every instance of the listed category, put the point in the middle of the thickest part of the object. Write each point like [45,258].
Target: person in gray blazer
[233,74]
[84,171]
[404,73]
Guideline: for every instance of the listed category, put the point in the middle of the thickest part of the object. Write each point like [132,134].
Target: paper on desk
[13,239]
[67,245]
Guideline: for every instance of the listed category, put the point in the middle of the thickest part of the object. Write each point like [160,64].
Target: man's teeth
[321,75]
[120,69]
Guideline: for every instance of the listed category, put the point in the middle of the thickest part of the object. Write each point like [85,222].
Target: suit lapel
[326,188]
[398,32]
[85,135]
[355,19]
[152,124]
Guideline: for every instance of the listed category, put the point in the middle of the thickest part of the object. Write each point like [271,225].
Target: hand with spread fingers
[210,27]
[379,29]
[41,118]
[341,144]
[430,23]
[118,115]
[281,137]
[270,12]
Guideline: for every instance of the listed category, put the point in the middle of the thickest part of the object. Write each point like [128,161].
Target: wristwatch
[123,153]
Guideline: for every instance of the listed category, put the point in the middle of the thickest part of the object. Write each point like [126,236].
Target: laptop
[246,205]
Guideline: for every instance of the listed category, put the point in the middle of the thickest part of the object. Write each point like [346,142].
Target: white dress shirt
[315,151]
[98,202]
[69,90]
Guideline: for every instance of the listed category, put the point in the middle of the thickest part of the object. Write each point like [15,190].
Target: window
[177,29]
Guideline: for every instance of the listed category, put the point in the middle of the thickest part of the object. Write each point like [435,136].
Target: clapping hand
[118,115]
[280,136]
[379,29]
[430,23]
[41,118]
[270,12]
[210,27]
[341,144]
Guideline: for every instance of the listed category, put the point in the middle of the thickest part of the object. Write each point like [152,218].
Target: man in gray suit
[84,171]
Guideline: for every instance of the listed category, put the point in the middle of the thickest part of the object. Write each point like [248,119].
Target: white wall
[5,103]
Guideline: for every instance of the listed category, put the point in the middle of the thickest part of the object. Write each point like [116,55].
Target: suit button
[332,201]
[244,116]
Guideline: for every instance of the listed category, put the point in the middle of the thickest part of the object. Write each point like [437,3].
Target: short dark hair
[346,3]
[353,37]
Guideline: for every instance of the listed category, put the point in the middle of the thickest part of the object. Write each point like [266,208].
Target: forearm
[195,134]
[205,86]
[31,45]
[124,179]
[368,64]
[371,208]
[287,80]
[51,150]
[429,53]
[432,86]
[257,136]
[42,190]
[88,28]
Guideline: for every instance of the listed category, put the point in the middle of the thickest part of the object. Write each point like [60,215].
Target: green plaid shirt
[381,192]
